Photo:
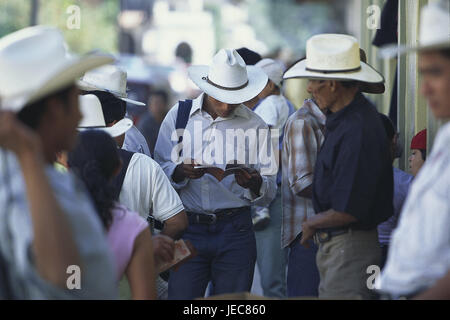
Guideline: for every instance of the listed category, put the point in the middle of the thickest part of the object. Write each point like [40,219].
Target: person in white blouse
[220,224]
[418,264]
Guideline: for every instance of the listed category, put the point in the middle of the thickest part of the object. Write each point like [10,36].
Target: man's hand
[17,137]
[249,178]
[184,170]
[307,233]
[163,248]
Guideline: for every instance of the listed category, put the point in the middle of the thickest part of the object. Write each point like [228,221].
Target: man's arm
[53,245]
[175,226]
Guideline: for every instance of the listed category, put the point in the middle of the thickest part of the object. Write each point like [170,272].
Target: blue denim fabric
[271,258]
[303,276]
[226,257]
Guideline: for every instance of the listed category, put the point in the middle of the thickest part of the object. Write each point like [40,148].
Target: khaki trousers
[343,263]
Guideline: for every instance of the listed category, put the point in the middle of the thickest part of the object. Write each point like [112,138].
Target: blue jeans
[271,258]
[303,276]
[226,255]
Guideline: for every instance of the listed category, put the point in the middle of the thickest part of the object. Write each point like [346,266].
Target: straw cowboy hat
[93,118]
[434,32]
[34,63]
[334,57]
[108,78]
[228,79]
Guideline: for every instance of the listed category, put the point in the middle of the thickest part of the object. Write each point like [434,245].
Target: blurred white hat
[434,32]
[274,70]
[93,117]
[34,63]
[109,78]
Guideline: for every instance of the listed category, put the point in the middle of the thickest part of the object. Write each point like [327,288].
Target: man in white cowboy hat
[274,109]
[220,225]
[49,228]
[113,79]
[304,135]
[418,262]
[353,183]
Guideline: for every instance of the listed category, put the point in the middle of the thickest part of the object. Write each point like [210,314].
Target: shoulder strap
[125,156]
[184,110]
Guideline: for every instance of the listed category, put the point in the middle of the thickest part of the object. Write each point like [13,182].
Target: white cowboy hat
[228,79]
[34,63]
[333,57]
[274,70]
[108,78]
[434,32]
[93,118]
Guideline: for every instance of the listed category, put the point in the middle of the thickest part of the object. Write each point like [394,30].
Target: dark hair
[184,51]
[32,114]
[250,57]
[94,160]
[113,108]
[423,152]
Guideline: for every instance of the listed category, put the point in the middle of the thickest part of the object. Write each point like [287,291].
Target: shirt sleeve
[268,112]
[358,165]
[165,148]
[303,146]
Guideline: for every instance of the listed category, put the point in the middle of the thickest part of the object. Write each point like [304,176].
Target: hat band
[333,71]
[94,127]
[225,88]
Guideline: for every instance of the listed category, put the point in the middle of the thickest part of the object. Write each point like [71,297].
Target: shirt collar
[333,118]
[315,110]
[240,111]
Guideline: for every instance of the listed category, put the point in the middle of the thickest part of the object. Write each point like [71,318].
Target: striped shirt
[304,134]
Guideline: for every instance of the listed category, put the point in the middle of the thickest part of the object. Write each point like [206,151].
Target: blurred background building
[156,40]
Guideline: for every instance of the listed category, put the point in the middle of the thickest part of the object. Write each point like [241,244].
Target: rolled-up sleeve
[302,145]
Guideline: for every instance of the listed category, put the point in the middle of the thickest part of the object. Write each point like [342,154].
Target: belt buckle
[323,236]
[212,216]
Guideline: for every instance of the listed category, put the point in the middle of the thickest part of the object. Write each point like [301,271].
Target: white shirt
[274,110]
[135,142]
[419,254]
[207,194]
[98,280]
[146,189]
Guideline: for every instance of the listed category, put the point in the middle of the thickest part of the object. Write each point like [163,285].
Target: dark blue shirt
[353,172]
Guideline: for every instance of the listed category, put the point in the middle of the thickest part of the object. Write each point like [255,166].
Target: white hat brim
[89,87]
[64,76]
[394,50]
[257,80]
[365,74]
[116,130]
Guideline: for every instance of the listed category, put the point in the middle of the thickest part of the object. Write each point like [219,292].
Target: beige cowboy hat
[434,32]
[228,79]
[273,68]
[93,118]
[334,57]
[109,78]
[34,63]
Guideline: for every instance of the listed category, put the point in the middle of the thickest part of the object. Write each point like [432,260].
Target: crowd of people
[309,196]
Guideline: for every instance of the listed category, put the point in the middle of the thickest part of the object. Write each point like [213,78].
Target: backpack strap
[184,110]
[125,156]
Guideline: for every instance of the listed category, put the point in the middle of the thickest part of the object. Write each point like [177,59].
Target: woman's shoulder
[127,218]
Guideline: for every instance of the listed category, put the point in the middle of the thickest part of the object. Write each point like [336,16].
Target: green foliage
[98,21]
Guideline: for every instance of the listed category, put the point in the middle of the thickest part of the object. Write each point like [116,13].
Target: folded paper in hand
[184,250]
